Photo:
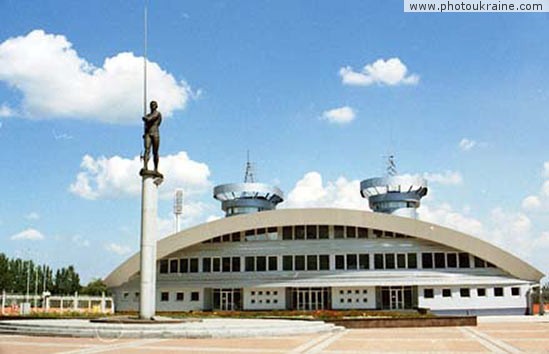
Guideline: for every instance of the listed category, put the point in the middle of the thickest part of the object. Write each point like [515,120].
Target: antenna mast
[249,175]
[391,166]
[145,61]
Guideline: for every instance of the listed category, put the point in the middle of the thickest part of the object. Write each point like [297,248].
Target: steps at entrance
[208,328]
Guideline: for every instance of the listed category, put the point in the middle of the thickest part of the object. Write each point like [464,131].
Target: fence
[13,304]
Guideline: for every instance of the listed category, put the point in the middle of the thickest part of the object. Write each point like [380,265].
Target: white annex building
[260,258]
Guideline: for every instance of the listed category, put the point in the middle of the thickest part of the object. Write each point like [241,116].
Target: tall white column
[149,206]
[3,300]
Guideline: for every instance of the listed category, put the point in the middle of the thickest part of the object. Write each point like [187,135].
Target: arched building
[260,258]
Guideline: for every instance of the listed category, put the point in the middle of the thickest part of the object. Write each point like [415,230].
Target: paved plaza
[492,335]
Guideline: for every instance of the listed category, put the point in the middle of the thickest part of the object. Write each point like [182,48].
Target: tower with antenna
[394,194]
[248,197]
[178,207]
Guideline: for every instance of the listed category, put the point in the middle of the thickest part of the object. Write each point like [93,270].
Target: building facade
[309,259]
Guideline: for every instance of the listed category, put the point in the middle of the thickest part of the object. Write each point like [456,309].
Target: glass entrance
[227,299]
[310,299]
[396,298]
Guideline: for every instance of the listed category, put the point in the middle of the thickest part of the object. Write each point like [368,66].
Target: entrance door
[310,299]
[397,299]
[227,299]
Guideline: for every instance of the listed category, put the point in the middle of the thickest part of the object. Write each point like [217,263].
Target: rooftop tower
[248,197]
[394,194]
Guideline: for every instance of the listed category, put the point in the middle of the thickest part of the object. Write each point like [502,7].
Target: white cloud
[118,249]
[32,216]
[80,241]
[545,188]
[391,72]
[445,215]
[28,234]
[446,178]
[6,111]
[546,169]
[340,115]
[310,192]
[467,144]
[57,83]
[116,176]
[531,202]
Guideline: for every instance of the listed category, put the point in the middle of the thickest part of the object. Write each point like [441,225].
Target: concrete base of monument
[137,320]
[207,328]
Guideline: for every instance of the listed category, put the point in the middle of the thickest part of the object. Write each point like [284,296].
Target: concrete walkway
[492,335]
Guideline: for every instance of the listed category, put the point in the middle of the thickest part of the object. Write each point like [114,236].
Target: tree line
[18,276]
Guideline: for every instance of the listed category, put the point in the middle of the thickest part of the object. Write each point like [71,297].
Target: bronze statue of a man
[152,135]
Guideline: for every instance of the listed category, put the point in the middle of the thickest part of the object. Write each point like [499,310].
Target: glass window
[226,264]
[179,297]
[446,293]
[261,264]
[236,237]
[378,233]
[299,232]
[412,261]
[451,260]
[363,261]
[299,262]
[440,260]
[206,264]
[427,260]
[464,260]
[273,263]
[163,266]
[340,262]
[479,263]
[338,231]
[378,261]
[194,265]
[515,291]
[164,296]
[323,232]
[390,261]
[287,263]
[174,265]
[324,261]
[362,232]
[428,293]
[226,238]
[351,261]
[195,296]
[236,264]
[217,239]
[498,292]
[464,292]
[312,262]
[250,264]
[311,232]
[401,261]
[351,232]
[216,264]
[183,265]
[287,233]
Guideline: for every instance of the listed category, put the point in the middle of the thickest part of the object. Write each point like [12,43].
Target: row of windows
[321,262]
[466,292]
[179,296]
[304,232]
[451,260]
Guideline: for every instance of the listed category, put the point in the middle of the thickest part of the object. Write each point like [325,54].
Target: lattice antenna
[249,176]
[391,166]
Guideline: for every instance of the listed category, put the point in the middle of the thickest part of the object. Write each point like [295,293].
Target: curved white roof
[411,227]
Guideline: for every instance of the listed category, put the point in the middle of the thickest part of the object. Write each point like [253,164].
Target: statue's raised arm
[151,136]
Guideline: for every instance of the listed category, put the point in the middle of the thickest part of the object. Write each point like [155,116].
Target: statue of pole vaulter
[152,136]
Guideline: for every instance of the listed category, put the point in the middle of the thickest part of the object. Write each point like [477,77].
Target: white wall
[353,298]
[456,302]
[264,299]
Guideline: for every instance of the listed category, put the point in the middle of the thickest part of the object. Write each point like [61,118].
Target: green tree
[95,288]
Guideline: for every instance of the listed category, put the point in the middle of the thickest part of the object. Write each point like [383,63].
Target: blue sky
[460,98]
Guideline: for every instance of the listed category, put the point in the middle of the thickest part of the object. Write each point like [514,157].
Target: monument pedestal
[149,213]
